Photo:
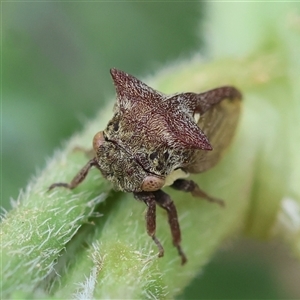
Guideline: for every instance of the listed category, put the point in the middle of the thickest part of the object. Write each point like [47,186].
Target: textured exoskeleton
[155,140]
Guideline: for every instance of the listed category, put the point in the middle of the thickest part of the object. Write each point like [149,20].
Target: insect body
[154,140]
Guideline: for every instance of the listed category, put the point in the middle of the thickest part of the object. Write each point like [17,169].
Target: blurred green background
[55,75]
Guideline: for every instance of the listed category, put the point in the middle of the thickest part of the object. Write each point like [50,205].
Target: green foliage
[95,238]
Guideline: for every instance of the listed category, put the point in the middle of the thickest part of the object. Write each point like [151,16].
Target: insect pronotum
[155,140]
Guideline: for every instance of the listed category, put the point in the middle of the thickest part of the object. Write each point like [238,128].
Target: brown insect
[155,140]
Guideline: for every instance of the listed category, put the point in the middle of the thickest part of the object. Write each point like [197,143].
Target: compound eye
[152,183]
[98,140]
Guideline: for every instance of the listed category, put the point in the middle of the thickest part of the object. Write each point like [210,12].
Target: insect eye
[152,183]
[98,140]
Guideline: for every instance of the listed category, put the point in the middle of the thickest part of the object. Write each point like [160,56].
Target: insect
[155,140]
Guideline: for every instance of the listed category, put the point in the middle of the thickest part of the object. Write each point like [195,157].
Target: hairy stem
[91,242]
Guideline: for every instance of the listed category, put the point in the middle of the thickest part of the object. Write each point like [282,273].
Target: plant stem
[91,242]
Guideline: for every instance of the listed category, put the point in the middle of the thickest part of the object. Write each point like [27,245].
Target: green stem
[91,242]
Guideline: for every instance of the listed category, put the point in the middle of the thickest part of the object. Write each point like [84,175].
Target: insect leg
[164,201]
[149,199]
[78,178]
[192,187]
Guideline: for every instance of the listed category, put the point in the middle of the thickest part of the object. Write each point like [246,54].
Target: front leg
[149,199]
[164,201]
[192,187]
[80,176]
